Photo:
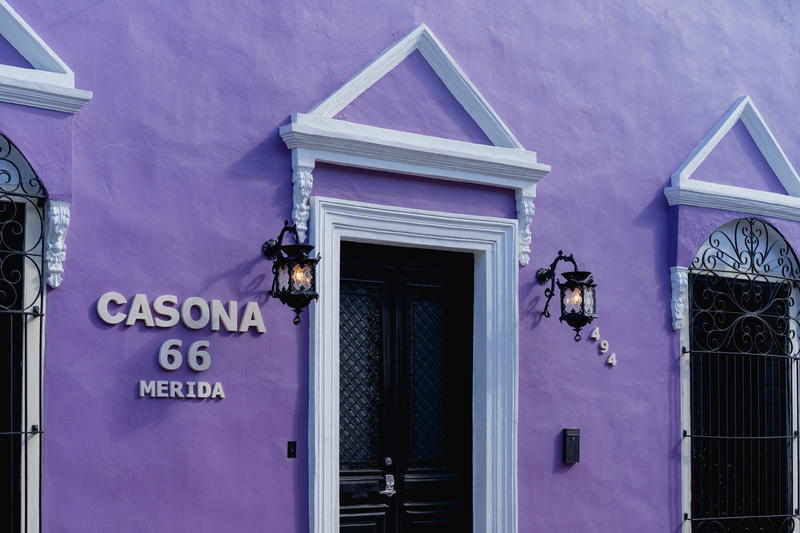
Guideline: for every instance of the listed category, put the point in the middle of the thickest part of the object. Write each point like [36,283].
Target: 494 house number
[611,360]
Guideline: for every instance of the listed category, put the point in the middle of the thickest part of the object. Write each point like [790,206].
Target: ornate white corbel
[56,252]
[680,287]
[525,212]
[302,183]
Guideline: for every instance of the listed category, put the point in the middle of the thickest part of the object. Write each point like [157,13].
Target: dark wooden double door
[405,390]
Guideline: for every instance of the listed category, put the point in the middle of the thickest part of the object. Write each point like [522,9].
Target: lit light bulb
[573,298]
[301,277]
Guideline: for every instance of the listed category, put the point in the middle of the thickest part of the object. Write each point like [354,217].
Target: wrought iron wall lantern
[578,306]
[295,282]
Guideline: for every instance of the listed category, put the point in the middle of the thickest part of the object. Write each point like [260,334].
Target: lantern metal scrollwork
[295,282]
[578,304]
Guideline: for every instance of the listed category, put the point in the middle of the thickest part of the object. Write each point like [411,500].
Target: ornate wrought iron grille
[427,387]
[743,353]
[361,374]
[22,249]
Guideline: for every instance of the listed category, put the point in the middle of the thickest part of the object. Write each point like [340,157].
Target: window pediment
[687,191]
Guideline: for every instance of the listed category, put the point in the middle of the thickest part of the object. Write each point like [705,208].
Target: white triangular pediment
[685,190]
[50,84]
[422,39]
[317,136]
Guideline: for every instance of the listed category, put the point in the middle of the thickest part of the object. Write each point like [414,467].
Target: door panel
[365,519]
[405,389]
[361,373]
[429,519]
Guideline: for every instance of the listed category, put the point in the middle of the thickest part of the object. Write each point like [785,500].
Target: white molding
[56,252]
[679,276]
[50,84]
[347,143]
[495,347]
[730,198]
[687,191]
[317,136]
[25,40]
[35,296]
[313,139]
[454,78]
[42,95]
[685,392]
[680,280]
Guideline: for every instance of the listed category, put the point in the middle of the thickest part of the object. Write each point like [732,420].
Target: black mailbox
[572,446]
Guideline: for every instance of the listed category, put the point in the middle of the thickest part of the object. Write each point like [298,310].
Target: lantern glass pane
[303,276]
[283,278]
[588,301]
[572,300]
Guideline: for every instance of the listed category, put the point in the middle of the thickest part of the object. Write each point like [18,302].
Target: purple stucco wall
[176,175]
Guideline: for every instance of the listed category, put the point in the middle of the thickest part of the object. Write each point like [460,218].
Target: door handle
[389,491]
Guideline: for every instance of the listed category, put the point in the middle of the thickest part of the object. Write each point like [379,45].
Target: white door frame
[495,347]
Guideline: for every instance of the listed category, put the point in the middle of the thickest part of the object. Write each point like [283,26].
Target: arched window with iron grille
[22,298]
[743,352]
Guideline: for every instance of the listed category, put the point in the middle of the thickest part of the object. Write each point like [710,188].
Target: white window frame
[495,347]
[31,449]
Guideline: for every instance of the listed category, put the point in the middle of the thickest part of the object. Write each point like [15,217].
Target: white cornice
[42,95]
[346,143]
[730,198]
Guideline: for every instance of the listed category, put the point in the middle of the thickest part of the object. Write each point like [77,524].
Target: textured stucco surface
[177,175]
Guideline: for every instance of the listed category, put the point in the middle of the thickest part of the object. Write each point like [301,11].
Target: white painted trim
[42,95]
[317,136]
[743,109]
[345,143]
[730,198]
[454,78]
[680,317]
[33,370]
[50,84]
[313,139]
[687,191]
[495,347]
[25,40]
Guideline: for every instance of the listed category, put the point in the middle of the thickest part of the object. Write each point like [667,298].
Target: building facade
[436,156]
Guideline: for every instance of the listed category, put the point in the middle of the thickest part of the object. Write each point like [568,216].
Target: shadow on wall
[243,282]
[534,291]
[663,242]
[270,163]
